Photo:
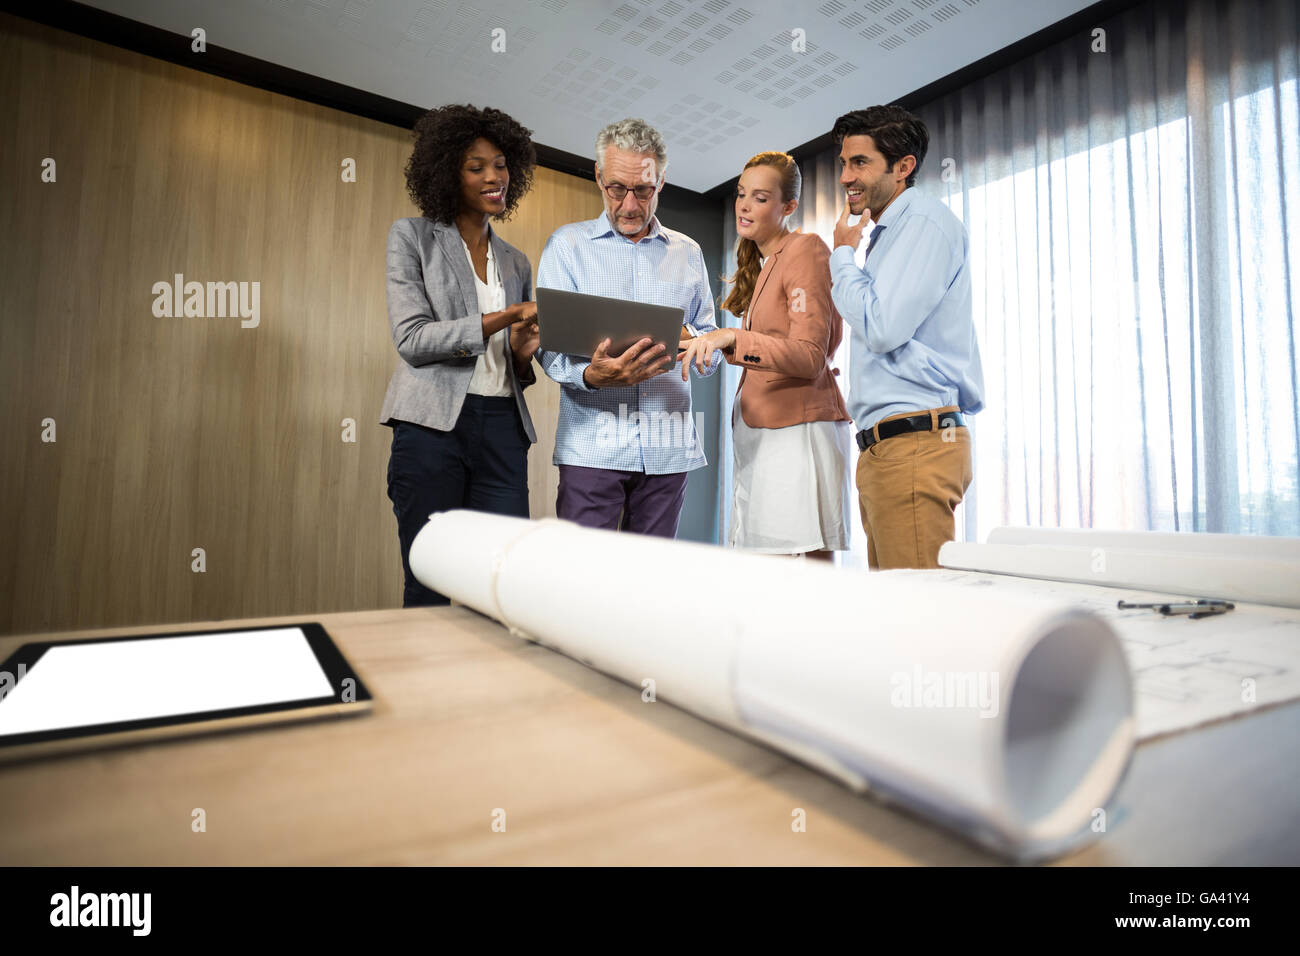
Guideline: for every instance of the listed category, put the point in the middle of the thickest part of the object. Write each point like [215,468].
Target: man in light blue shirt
[914,362]
[626,438]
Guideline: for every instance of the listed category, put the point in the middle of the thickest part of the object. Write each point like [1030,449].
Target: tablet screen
[106,684]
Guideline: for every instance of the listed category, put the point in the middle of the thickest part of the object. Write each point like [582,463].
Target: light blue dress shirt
[647,427]
[909,314]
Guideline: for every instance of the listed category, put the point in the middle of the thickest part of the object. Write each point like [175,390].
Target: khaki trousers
[908,487]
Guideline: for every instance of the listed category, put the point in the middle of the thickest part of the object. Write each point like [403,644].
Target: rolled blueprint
[1007,718]
[1252,546]
[1167,563]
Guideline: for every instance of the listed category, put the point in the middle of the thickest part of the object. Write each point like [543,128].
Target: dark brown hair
[747,264]
[443,136]
[895,131]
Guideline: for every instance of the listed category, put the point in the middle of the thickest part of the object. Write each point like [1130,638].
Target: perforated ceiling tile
[422,24]
[774,74]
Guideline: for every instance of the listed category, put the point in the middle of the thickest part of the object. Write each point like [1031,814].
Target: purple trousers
[596,497]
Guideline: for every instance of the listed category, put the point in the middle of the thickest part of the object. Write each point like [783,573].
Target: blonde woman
[791,431]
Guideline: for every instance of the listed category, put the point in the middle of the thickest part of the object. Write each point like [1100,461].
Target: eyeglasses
[617,191]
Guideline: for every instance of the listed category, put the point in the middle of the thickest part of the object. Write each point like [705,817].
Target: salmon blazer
[791,330]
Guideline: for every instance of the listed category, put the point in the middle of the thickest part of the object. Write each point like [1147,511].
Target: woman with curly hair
[464,325]
[791,432]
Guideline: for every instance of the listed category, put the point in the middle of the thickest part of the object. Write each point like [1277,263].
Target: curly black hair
[443,135]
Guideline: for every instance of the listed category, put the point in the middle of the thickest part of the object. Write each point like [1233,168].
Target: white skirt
[793,486]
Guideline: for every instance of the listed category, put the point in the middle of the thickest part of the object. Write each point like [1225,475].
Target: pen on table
[1201,607]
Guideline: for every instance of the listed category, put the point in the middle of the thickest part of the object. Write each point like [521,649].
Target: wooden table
[470,720]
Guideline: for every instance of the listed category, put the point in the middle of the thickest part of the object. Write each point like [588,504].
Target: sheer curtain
[1134,215]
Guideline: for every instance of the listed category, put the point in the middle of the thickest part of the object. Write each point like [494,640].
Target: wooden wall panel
[183,433]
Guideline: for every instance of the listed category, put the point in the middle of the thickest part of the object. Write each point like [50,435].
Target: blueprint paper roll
[1249,546]
[1196,574]
[1007,718]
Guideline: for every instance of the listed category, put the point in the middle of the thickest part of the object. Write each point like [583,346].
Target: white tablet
[57,696]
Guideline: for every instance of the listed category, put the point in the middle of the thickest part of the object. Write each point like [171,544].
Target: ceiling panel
[721,79]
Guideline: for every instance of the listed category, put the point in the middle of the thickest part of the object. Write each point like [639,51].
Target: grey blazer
[437,325]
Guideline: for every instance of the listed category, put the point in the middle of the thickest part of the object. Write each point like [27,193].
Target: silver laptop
[576,323]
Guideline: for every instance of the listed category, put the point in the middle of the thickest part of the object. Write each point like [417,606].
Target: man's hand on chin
[846,235]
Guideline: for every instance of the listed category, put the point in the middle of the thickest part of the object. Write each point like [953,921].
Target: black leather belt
[914,423]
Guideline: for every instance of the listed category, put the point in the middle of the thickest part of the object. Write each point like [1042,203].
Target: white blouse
[491,376]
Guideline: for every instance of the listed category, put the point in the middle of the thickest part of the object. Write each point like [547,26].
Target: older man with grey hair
[626,438]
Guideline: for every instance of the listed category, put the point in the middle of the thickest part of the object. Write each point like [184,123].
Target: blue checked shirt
[647,427]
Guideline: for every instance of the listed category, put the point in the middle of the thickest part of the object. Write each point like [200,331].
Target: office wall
[129,440]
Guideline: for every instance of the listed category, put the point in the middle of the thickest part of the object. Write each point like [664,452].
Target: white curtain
[1134,215]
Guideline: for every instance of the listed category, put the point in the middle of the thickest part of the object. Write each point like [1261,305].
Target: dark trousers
[481,464]
[595,497]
